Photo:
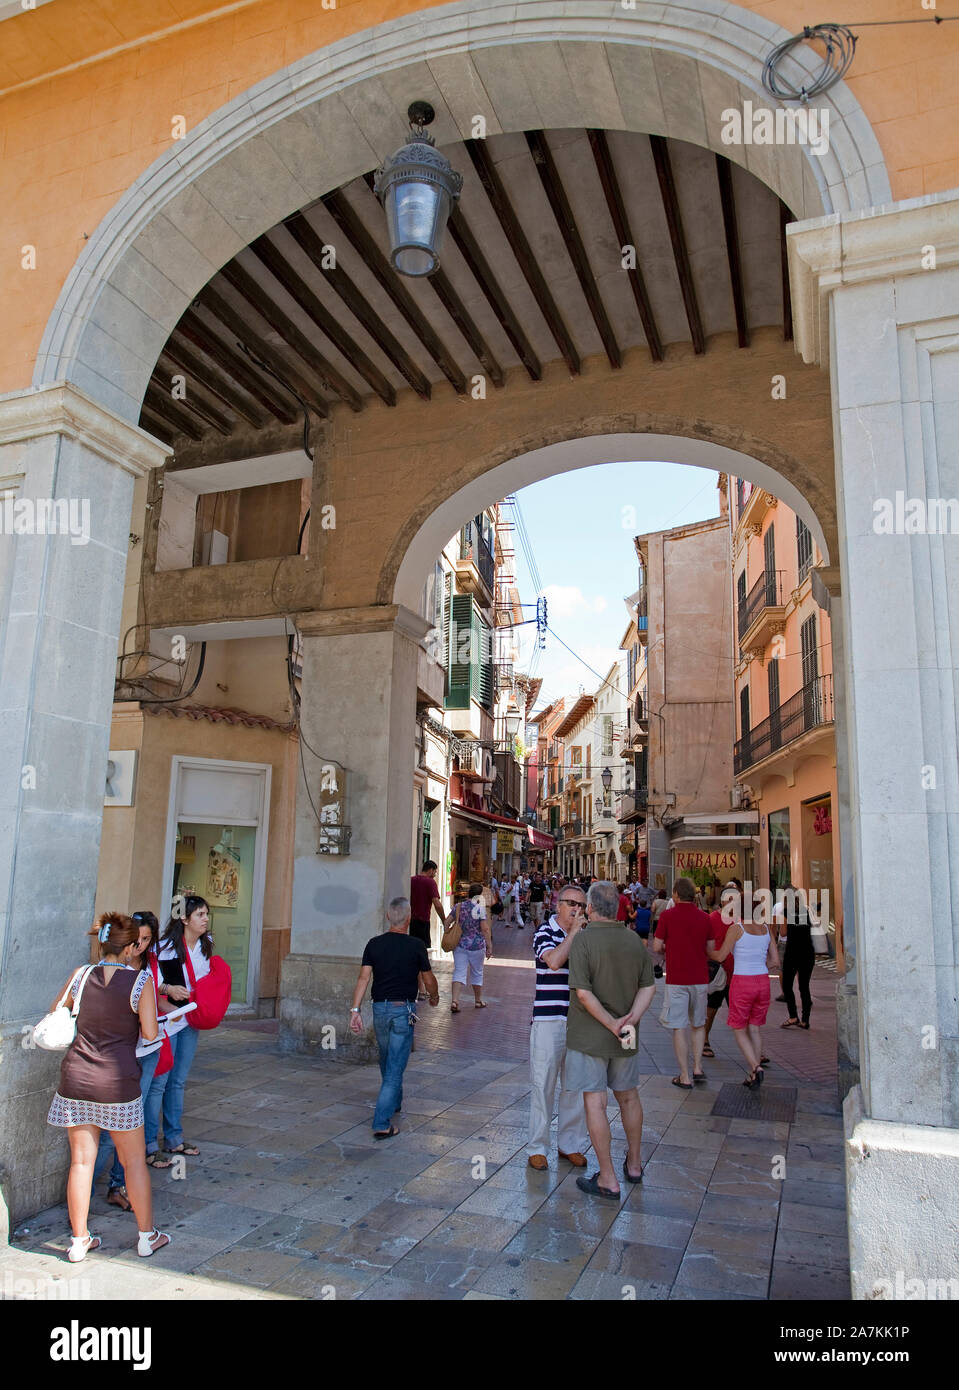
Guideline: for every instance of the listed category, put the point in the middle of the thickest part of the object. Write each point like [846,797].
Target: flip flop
[791,1023]
[591,1185]
[159,1160]
[117,1197]
[699,1076]
[186,1150]
[454,1008]
[708,1052]
[481,1005]
[628,1175]
[385,1133]
[683,1085]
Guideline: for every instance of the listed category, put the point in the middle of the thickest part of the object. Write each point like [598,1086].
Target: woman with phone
[186,937]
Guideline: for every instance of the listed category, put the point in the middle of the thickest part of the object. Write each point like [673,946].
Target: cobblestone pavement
[292,1198]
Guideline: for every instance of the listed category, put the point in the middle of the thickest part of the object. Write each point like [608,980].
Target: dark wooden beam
[495,191]
[379,267]
[785,217]
[220,386]
[312,244]
[238,368]
[617,210]
[161,428]
[469,249]
[299,291]
[260,300]
[674,221]
[231,319]
[192,400]
[549,177]
[167,410]
[724,171]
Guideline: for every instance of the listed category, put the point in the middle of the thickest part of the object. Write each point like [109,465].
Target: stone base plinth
[847,1034]
[903,1213]
[315,997]
[34,1157]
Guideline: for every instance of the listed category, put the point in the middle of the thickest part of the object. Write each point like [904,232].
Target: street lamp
[417,187]
[606,779]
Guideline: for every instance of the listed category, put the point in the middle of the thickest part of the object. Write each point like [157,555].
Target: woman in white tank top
[755,953]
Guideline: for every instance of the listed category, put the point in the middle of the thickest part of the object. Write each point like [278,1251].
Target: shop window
[780,873]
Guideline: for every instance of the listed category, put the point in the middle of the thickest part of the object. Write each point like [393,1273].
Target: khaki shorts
[585,1073]
[685,1006]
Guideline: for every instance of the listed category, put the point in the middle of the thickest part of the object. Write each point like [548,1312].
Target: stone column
[358,709]
[58,648]
[875,296]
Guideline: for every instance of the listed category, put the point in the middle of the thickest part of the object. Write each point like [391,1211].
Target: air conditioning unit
[487,763]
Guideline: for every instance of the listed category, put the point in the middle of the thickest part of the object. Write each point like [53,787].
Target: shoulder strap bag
[56,1030]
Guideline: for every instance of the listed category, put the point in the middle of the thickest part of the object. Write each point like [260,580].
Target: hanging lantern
[417,187]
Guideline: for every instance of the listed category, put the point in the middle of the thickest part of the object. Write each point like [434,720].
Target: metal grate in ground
[762,1103]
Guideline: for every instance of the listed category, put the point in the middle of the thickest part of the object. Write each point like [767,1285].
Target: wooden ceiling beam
[724,171]
[204,374]
[552,182]
[167,410]
[379,267]
[298,343]
[238,369]
[193,399]
[299,291]
[161,428]
[674,221]
[785,217]
[520,247]
[602,155]
[458,229]
[234,322]
[312,245]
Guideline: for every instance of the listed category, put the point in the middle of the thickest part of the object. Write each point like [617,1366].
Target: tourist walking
[799,956]
[547,1039]
[720,975]
[397,965]
[474,948]
[755,954]
[611,987]
[100,1079]
[515,899]
[537,900]
[683,933]
[183,957]
[424,900]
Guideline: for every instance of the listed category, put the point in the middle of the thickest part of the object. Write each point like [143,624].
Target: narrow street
[291,1197]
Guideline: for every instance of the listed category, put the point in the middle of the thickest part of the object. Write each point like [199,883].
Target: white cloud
[569,601]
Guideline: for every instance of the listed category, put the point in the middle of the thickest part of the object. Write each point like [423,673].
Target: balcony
[572,829]
[476,564]
[763,611]
[809,709]
[631,806]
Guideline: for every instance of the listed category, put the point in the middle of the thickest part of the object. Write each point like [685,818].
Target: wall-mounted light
[417,187]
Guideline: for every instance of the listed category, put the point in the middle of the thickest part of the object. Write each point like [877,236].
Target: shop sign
[727,860]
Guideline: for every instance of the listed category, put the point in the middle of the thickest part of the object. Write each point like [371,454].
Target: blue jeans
[106,1149]
[167,1092]
[394,1036]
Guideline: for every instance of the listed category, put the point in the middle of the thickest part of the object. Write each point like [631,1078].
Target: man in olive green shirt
[611,985]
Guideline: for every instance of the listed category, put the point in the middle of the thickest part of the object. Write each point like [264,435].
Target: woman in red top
[100,1079]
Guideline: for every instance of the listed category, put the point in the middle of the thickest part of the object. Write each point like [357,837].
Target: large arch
[406,567]
[668,69]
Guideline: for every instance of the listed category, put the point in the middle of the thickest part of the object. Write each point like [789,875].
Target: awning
[723,818]
[539,839]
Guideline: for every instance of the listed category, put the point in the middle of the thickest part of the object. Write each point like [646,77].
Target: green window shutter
[459,683]
[483,669]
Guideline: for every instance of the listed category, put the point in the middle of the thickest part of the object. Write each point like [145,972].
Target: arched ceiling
[533,272]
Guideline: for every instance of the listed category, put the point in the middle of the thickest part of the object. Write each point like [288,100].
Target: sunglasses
[573,902]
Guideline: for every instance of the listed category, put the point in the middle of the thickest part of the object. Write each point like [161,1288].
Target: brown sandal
[159,1160]
[117,1197]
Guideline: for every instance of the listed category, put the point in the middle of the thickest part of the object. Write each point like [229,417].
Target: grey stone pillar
[58,646]
[877,296]
[358,710]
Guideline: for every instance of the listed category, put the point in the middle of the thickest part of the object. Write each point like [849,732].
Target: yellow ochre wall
[78,128]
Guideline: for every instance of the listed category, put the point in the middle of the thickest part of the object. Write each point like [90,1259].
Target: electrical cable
[183,694]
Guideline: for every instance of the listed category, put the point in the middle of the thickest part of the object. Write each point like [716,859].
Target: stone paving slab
[291,1197]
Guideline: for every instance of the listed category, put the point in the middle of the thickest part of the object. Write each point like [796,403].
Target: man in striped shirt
[547,1041]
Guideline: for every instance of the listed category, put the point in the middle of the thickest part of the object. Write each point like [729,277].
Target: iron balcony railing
[474,548]
[767,592]
[809,708]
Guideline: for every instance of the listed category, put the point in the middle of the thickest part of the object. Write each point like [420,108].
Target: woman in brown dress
[100,1079]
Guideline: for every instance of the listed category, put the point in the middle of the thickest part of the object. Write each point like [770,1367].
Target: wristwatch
[354,1011]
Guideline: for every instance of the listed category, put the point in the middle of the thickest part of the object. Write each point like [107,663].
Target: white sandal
[80,1245]
[150,1242]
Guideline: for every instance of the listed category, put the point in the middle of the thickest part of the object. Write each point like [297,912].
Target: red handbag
[165,1059]
[211,994]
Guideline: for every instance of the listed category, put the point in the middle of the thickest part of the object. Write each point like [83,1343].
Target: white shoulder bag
[57,1030]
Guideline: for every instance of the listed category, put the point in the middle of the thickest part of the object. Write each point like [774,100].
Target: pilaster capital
[386,617]
[62,409]
[854,248]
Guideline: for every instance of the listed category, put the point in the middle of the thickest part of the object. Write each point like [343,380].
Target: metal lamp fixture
[417,187]
[607,779]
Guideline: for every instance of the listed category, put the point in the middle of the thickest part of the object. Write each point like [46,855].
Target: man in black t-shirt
[398,966]
[537,900]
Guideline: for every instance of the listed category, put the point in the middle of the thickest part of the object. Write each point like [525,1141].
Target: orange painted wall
[77,129]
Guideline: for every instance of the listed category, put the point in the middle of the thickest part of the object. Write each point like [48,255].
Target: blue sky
[581,527]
